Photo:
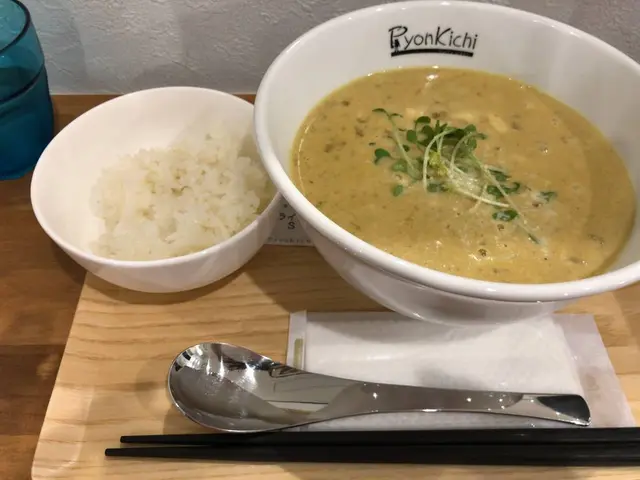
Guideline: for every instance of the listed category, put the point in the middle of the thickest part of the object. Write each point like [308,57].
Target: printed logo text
[441,40]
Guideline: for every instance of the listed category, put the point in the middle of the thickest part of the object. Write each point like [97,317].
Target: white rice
[163,203]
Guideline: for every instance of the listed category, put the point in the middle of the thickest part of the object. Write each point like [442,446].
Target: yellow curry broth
[537,140]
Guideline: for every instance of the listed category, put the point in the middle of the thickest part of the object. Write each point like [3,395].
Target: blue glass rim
[25,27]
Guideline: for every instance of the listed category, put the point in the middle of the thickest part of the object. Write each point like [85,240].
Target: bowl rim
[377,258]
[144,264]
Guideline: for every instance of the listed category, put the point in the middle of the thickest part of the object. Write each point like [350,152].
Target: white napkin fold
[556,354]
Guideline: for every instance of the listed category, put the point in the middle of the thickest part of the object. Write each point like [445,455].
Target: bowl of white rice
[160,190]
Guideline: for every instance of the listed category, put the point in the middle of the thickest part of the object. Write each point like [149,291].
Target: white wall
[124,45]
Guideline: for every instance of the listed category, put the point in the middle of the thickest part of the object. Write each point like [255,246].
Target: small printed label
[445,40]
[288,230]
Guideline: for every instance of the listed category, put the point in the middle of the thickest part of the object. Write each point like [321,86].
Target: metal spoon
[233,389]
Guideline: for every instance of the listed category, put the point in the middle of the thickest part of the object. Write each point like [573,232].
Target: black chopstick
[594,454]
[524,436]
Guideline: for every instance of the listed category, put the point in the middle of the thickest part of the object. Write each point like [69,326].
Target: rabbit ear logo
[441,40]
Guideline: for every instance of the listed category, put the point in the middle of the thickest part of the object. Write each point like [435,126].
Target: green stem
[480,199]
[491,179]
[522,221]
[478,202]
[411,168]
[425,158]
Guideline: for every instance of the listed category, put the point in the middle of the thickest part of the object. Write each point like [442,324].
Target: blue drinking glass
[26,113]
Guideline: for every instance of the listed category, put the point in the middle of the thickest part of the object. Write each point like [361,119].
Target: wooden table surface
[39,290]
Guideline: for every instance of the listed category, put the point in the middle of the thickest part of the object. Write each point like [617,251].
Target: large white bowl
[70,166]
[576,68]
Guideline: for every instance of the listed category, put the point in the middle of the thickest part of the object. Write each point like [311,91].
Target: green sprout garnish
[499,175]
[442,158]
[399,167]
[548,196]
[380,153]
[495,191]
[412,167]
[437,187]
[505,215]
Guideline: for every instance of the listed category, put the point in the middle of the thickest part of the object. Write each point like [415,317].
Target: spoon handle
[323,397]
[372,397]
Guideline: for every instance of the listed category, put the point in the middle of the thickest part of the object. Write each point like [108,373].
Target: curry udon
[468,173]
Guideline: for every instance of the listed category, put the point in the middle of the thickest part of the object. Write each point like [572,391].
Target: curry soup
[468,173]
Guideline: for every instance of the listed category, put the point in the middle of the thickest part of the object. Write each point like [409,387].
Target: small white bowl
[574,67]
[70,166]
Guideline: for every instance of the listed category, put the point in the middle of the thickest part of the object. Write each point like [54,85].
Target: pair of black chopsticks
[531,446]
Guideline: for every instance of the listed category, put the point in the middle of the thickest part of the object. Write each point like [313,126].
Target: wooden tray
[112,376]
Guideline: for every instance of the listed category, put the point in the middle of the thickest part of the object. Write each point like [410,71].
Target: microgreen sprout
[548,196]
[380,153]
[397,190]
[505,215]
[395,135]
[442,158]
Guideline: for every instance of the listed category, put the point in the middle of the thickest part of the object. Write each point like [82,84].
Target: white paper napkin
[559,354]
